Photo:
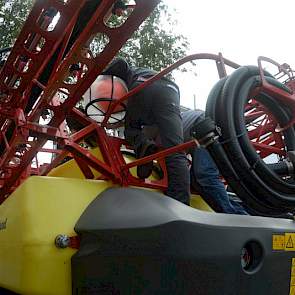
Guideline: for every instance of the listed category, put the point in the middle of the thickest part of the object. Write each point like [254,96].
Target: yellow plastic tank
[72,170]
[31,218]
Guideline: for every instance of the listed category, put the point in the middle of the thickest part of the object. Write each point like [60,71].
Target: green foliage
[155,45]
[13,13]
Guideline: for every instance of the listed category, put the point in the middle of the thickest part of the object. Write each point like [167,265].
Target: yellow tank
[31,218]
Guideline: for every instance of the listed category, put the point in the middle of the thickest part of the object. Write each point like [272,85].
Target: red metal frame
[29,137]
[16,95]
[113,166]
[263,128]
[218,59]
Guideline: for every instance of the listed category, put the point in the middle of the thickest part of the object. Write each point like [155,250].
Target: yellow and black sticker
[292,280]
[289,241]
[278,242]
[283,242]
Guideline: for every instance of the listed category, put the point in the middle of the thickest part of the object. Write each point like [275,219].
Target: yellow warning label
[278,242]
[289,241]
[284,242]
[292,279]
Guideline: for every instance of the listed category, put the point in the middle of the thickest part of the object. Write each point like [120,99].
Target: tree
[153,45]
[13,14]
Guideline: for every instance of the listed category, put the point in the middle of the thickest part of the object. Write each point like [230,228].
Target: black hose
[257,184]
[225,166]
[282,168]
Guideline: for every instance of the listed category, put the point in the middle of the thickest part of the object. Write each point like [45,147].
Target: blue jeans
[205,174]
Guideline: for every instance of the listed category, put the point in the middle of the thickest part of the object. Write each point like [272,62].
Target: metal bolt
[62,241]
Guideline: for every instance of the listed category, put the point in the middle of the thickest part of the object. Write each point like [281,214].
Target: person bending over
[157,104]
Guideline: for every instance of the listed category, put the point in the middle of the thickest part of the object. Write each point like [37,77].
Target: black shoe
[145,170]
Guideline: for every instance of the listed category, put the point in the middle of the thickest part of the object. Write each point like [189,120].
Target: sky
[240,30]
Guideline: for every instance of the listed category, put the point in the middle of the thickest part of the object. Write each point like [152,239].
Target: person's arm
[119,68]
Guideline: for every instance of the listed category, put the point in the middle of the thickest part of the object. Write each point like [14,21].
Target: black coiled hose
[255,182]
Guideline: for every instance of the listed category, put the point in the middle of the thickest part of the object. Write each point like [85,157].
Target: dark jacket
[188,120]
[130,75]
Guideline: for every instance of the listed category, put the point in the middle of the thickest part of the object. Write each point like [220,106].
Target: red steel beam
[117,37]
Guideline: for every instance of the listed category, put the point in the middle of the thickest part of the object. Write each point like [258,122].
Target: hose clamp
[208,139]
[291,162]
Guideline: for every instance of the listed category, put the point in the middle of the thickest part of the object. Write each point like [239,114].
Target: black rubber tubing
[253,180]
[225,166]
[240,84]
[263,170]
